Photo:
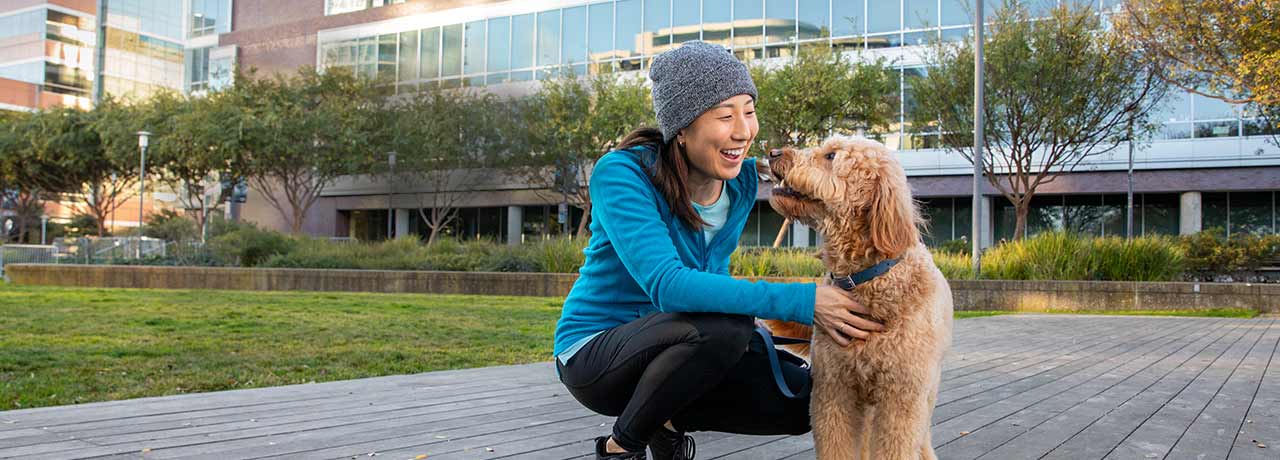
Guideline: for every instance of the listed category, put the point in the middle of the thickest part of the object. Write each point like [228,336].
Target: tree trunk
[435,233]
[1020,227]
[582,224]
[782,232]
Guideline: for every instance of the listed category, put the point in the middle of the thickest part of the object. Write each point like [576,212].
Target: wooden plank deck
[1022,386]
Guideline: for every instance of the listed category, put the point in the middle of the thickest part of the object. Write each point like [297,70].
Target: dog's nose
[775,154]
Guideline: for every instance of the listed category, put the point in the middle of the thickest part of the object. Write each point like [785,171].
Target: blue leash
[774,365]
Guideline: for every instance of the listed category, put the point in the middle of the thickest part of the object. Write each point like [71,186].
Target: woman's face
[717,141]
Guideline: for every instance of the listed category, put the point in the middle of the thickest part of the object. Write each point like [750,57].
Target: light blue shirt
[714,215]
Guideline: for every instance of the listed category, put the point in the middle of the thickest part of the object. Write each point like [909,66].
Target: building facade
[1209,166]
[47,59]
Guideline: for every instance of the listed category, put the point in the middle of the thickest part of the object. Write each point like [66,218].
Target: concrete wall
[969,295]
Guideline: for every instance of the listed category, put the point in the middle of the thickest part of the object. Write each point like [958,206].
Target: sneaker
[602,455]
[669,445]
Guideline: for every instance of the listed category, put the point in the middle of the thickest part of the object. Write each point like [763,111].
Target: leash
[847,283]
[774,365]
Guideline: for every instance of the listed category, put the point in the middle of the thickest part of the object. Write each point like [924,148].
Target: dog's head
[847,186]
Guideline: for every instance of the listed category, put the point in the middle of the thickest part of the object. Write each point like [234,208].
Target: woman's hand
[834,309]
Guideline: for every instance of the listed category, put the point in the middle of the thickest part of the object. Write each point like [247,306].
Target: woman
[655,331]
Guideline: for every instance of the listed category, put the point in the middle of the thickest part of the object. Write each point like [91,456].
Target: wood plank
[1262,423]
[1100,436]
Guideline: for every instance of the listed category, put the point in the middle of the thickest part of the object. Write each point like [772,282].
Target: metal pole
[977,139]
[1128,229]
[100,52]
[142,185]
[44,225]
[391,213]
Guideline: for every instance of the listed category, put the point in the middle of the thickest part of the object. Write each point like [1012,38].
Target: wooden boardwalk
[1023,386]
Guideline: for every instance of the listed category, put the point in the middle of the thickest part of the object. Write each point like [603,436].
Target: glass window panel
[883,16]
[386,65]
[1175,131]
[1207,108]
[1214,210]
[963,217]
[1038,8]
[780,21]
[848,18]
[717,21]
[451,52]
[919,14]
[430,53]
[548,38]
[1260,127]
[523,37]
[1175,107]
[814,19]
[920,38]
[751,232]
[940,220]
[499,42]
[957,12]
[473,55]
[686,20]
[1217,129]
[1159,214]
[628,27]
[600,41]
[574,41]
[747,27]
[657,23]
[408,65]
[957,34]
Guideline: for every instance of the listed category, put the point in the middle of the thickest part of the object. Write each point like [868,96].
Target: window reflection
[814,19]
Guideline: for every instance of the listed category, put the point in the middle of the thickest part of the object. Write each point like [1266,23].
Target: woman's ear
[893,215]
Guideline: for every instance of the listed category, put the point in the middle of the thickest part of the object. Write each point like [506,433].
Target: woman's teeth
[732,154]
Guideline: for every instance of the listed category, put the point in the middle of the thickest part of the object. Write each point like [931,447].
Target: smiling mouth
[733,154]
[784,190]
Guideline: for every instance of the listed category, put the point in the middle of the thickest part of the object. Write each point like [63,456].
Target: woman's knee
[727,334]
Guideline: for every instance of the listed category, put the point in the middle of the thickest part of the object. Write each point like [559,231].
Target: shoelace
[689,448]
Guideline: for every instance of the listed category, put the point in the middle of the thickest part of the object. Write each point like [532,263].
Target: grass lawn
[74,345]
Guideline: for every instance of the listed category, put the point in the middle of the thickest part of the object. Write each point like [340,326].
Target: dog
[874,398]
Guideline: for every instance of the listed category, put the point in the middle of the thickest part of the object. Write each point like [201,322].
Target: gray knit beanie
[693,78]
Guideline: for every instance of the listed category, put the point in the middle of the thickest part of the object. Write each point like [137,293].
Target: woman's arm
[623,201]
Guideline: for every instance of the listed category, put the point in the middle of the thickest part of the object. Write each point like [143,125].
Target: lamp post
[978,141]
[44,225]
[142,183]
[391,213]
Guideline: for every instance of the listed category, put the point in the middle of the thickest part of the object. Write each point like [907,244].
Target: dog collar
[849,282]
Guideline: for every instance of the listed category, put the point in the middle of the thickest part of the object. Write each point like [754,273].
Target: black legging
[694,369]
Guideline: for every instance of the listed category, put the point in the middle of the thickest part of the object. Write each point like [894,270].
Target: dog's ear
[894,217]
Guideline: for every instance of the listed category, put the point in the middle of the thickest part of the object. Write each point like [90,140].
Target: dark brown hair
[670,174]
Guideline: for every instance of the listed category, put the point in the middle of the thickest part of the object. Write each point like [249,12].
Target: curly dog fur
[874,398]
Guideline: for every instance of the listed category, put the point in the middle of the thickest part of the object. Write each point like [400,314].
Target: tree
[1059,90]
[112,164]
[305,131]
[571,122]
[42,155]
[821,92]
[1223,49]
[443,139]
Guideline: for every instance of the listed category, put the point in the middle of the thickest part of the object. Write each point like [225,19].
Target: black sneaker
[602,455]
[669,445]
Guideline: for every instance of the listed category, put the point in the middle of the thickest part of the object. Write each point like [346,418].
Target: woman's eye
[831,156]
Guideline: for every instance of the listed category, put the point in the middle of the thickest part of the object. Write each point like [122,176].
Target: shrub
[169,225]
[249,246]
[1210,252]
[1067,256]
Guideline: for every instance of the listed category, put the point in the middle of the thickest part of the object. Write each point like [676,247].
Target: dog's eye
[831,156]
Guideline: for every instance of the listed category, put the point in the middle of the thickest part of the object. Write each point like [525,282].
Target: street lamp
[142,183]
[44,224]
[391,213]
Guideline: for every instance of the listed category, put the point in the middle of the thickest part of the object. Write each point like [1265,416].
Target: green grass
[71,345]
[1206,313]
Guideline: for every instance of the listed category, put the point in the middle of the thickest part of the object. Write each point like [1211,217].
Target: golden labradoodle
[874,398]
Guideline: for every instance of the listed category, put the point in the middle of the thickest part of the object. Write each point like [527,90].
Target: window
[600,41]
[499,54]
[686,19]
[573,45]
[346,6]
[473,55]
[657,26]
[451,50]
[748,27]
[548,38]
[919,14]
[814,19]
[429,54]
[628,34]
[407,63]
[210,17]
[197,69]
[883,16]
[957,12]
[780,21]
[717,22]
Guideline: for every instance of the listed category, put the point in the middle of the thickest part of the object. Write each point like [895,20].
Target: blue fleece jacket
[643,259]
